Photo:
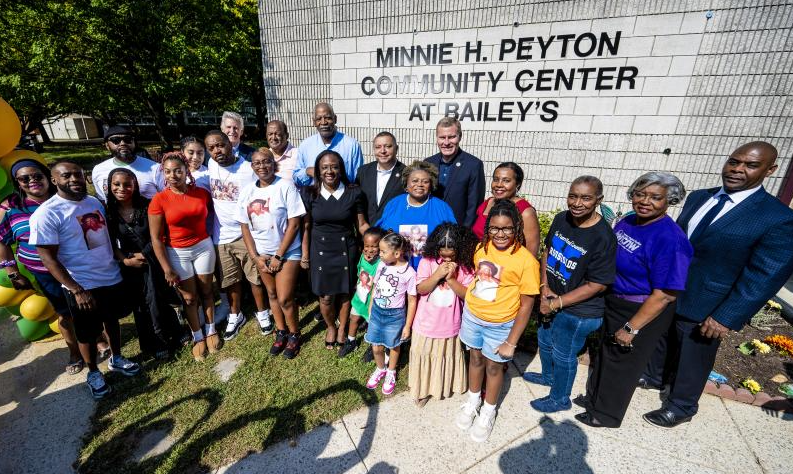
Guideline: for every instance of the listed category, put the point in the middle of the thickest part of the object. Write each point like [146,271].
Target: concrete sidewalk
[44,412]
[397,436]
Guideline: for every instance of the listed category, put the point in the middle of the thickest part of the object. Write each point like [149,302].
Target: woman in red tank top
[507,178]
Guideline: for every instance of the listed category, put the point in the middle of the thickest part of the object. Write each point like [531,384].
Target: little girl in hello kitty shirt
[391,308]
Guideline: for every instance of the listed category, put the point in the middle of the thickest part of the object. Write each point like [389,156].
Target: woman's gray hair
[675,191]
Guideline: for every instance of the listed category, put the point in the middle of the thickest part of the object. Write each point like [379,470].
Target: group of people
[401,252]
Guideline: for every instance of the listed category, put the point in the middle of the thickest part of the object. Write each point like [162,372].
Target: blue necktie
[709,216]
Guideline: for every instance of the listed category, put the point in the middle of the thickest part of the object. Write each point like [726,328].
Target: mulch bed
[737,367]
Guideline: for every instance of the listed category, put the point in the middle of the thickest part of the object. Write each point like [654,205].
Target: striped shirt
[15,228]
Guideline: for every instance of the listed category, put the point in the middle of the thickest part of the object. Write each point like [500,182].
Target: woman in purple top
[653,255]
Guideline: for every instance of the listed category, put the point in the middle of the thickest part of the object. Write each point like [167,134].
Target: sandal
[74,368]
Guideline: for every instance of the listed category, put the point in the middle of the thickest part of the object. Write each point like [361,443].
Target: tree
[103,57]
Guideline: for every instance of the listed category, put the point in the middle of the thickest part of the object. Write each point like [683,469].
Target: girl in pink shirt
[437,361]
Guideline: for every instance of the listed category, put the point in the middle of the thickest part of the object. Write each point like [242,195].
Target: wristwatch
[627,328]
[278,257]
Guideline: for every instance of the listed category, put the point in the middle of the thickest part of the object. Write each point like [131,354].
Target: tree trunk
[181,125]
[259,103]
[157,109]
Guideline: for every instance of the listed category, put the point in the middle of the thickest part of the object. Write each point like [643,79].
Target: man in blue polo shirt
[327,138]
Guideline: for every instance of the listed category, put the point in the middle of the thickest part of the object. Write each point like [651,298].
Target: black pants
[617,369]
[696,357]
[663,364]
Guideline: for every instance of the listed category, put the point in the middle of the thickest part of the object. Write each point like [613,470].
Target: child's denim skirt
[385,326]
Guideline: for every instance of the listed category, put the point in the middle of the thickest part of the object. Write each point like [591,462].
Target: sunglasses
[26,178]
[117,140]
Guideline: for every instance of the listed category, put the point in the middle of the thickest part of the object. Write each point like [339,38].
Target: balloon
[8,160]
[32,330]
[4,180]
[12,297]
[36,308]
[6,190]
[53,324]
[10,128]
[4,314]
[4,281]
[13,310]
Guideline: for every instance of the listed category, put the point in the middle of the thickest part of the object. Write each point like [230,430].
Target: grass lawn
[87,156]
[266,400]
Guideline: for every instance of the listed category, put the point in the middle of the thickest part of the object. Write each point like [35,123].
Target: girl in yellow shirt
[497,308]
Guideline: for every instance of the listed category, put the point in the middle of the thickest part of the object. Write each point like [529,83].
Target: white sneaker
[466,415]
[236,322]
[483,425]
[265,323]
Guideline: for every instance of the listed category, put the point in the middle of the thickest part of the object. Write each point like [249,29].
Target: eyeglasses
[26,178]
[261,164]
[505,230]
[118,139]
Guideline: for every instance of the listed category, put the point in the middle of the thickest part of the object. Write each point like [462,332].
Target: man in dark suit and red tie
[743,254]
[461,175]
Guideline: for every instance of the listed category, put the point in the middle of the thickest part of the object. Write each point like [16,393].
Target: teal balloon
[32,330]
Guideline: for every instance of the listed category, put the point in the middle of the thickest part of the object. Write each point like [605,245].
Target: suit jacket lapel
[742,209]
[693,206]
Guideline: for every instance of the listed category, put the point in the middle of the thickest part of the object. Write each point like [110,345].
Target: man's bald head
[748,166]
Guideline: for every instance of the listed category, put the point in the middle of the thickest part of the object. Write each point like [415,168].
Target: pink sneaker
[389,383]
[375,378]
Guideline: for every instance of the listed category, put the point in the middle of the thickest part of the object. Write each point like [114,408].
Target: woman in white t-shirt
[193,150]
[269,211]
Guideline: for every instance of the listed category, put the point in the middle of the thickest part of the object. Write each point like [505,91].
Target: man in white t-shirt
[228,175]
[121,143]
[70,233]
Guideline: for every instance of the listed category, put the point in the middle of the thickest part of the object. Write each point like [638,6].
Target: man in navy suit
[743,254]
[461,176]
[233,125]
[381,180]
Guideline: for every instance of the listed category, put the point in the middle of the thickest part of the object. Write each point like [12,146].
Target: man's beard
[125,155]
[67,191]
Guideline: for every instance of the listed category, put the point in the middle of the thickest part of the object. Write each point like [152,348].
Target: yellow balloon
[53,322]
[8,161]
[12,297]
[36,308]
[10,128]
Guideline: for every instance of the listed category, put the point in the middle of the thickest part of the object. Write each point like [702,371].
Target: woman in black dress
[334,211]
[158,328]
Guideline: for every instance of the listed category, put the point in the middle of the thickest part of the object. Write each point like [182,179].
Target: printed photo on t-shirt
[364,286]
[224,191]
[259,214]
[488,276]
[417,235]
[93,225]
[442,296]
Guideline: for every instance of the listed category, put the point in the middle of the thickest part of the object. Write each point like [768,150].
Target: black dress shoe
[589,420]
[664,418]
[645,384]
[581,401]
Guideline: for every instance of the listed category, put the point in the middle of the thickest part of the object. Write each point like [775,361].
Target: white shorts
[198,259]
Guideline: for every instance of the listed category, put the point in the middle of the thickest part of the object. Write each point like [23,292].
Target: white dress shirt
[735,199]
[382,180]
[327,194]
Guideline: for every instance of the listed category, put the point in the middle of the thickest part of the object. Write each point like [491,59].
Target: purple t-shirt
[653,256]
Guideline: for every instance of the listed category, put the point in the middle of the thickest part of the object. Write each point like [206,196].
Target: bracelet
[550,305]
[8,263]
[510,344]
[542,284]
[561,305]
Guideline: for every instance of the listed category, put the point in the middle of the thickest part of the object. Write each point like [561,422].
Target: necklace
[127,214]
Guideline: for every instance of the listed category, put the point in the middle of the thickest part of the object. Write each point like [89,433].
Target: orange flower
[782,343]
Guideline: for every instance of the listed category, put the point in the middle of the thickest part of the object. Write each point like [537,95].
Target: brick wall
[704,85]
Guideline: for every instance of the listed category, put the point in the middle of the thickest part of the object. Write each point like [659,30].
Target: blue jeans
[559,344]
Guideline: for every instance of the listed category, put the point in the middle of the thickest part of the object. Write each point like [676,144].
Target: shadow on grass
[185,455]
